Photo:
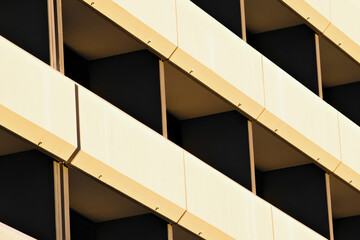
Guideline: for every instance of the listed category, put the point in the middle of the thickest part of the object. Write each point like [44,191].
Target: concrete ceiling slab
[272,153]
[273,15]
[344,199]
[186,99]
[10,143]
[181,234]
[97,202]
[337,67]
[93,36]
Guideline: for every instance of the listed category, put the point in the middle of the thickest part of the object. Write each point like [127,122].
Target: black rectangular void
[227,12]
[147,226]
[174,129]
[206,126]
[220,140]
[300,192]
[293,50]
[347,228]
[25,23]
[345,98]
[152,227]
[103,58]
[101,213]
[27,193]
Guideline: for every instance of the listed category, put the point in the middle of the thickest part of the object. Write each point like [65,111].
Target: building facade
[180,119]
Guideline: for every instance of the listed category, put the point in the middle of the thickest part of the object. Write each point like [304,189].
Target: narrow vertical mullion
[329,205]
[163,98]
[66,201]
[252,157]
[58,201]
[170,232]
[60,37]
[318,65]
[243,20]
[52,34]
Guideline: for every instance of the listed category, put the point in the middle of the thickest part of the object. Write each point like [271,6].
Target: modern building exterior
[180,119]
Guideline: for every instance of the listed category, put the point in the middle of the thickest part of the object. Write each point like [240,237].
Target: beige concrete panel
[349,169]
[220,208]
[342,30]
[218,58]
[348,174]
[300,117]
[153,22]
[130,157]
[36,101]
[202,228]
[9,233]
[345,16]
[322,6]
[348,43]
[287,228]
[316,12]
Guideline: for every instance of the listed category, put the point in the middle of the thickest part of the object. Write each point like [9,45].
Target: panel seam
[181,217]
[326,29]
[341,157]
[77,116]
[263,79]
[257,119]
[272,222]
[177,25]
[186,205]
[172,53]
